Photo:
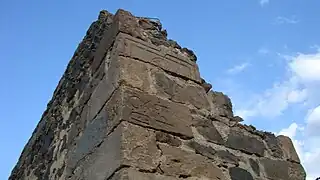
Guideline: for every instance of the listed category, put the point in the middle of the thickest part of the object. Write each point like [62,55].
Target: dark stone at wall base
[237,173]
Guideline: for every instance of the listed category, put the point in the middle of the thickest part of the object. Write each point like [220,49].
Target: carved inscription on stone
[159,57]
[151,111]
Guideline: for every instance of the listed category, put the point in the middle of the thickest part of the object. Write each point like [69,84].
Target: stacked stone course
[131,105]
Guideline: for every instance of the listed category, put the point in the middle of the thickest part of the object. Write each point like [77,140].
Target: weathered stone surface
[246,143]
[288,148]
[128,145]
[182,92]
[118,70]
[221,104]
[237,173]
[179,163]
[131,105]
[99,163]
[208,130]
[296,171]
[273,144]
[206,86]
[151,111]
[254,166]
[283,170]
[206,151]
[167,138]
[130,174]
[92,136]
[227,158]
[139,148]
[157,56]
[134,73]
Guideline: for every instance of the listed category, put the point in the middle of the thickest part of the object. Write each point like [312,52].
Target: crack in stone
[117,170]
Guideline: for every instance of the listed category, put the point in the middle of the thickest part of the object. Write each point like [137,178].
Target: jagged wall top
[123,56]
[146,29]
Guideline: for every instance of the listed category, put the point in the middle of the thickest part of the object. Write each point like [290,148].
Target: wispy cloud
[263,51]
[286,20]
[264,2]
[299,87]
[238,68]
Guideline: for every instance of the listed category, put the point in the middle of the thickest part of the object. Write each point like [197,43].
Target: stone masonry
[131,105]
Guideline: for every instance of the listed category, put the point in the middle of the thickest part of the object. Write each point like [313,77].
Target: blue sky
[264,54]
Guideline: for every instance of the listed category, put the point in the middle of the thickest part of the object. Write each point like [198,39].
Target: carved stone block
[163,58]
[179,163]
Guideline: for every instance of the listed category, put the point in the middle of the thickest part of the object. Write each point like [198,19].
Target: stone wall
[132,105]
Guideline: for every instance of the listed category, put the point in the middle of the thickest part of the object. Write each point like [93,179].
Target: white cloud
[286,20]
[301,86]
[306,67]
[273,101]
[290,131]
[238,68]
[263,51]
[296,96]
[313,122]
[264,2]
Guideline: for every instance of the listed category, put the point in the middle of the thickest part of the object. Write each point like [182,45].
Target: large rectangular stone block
[127,104]
[179,90]
[161,57]
[130,174]
[179,163]
[156,113]
[239,140]
[99,155]
[117,70]
[283,170]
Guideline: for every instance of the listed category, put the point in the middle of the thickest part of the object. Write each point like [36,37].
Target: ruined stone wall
[131,105]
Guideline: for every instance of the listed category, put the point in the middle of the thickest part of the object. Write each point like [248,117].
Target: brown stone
[128,106]
[278,169]
[167,138]
[244,142]
[160,57]
[274,145]
[179,163]
[130,174]
[128,145]
[181,92]
[208,130]
[206,151]
[139,148]
[254,166]
[149,111]
[227,157]
[288,148]
[237,173]
[222,105]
